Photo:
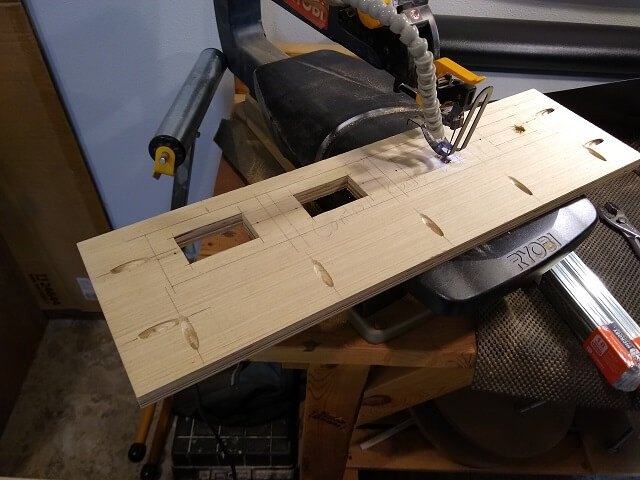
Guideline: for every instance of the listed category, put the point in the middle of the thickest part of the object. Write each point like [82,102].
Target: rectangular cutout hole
[215,238]
[330,196]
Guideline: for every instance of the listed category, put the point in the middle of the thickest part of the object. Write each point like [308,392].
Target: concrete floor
[76,415]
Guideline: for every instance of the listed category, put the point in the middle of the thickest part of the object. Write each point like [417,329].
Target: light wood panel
[175,323]
[441,343]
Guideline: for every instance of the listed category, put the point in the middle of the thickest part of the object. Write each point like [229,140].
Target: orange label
[316,11]
[610,356]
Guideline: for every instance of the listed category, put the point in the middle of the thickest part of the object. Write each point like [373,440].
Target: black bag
[247,394]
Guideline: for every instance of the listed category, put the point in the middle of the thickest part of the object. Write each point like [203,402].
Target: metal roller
[175,135]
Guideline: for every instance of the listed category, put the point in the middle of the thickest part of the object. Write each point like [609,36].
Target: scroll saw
[324,103]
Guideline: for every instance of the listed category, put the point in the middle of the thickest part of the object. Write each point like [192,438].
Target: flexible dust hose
[418,48]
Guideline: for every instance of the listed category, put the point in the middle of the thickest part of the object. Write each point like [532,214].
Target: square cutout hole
[330,196]
[215,238]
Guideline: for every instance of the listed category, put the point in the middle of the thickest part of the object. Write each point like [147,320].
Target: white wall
[119,64]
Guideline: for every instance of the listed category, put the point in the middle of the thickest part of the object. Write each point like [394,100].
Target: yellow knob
[446,65]
[165,162]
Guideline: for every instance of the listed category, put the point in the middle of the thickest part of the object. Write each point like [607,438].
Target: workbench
[351,382]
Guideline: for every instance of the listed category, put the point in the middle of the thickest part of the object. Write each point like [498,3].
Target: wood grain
[392,389]
[330,410]
[442,342]
[299,269]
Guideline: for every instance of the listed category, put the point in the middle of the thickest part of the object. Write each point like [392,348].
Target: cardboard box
[48,201]
[21,327]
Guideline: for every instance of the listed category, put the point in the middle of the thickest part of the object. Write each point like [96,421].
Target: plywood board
[175,323]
